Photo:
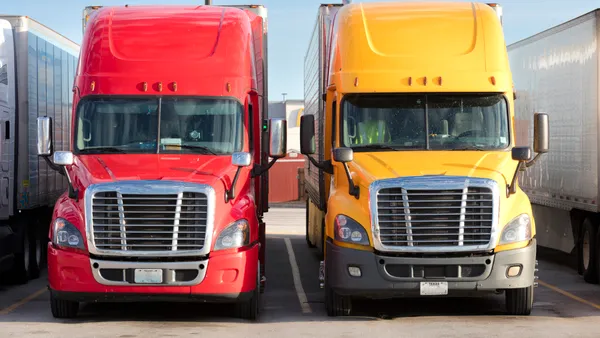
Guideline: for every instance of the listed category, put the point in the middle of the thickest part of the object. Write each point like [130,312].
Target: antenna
[284,95]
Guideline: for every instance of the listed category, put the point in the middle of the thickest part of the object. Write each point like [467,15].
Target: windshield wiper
[205,149]
[374,146]
[102,150]
[472,147]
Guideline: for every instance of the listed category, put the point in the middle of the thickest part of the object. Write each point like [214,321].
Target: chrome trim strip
[149,187]
[150,265]
[433,183]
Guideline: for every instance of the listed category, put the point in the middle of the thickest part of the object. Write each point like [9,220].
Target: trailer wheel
[589,252]
[519,302]
[310,245]
[63,308]
[25,266]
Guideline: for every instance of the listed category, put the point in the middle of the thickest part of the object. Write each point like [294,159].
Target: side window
[333,123]
[250,124]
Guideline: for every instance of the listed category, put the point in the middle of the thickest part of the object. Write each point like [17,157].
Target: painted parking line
[568,294]
[22,302]
[296,274]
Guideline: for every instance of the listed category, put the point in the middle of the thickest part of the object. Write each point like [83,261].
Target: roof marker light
[93,85]
[410,80]
[228,87]
[440,80]
[356,82]
[144,86]
[425,80]
[174,86]
[493,80]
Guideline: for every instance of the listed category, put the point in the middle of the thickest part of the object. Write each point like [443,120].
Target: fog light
[354,271]
[513,271]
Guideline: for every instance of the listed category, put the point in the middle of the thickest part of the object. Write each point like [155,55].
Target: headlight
[517,230]
[235,235]
[65,234]
[350,231]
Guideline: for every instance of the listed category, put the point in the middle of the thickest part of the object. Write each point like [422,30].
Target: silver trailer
[315,67]
[556,72]
[37,69]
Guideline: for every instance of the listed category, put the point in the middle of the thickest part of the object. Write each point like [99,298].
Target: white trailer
[37,69]
[556,72]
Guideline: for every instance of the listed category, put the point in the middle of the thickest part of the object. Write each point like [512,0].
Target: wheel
[250,309]
[22,267]
[336,305]
[519,302]
[35,260]
[310,245]
[323,240]
[589,252]
[63,308]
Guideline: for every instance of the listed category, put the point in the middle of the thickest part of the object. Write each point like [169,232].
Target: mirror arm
[353,189]
[532,162]
[325,166]
[259,170]
[512,187]
[230,194]
[54,166]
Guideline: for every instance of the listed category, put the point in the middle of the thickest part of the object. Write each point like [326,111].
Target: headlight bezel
[519,228]
[355,232]
[65,235]
[230,232]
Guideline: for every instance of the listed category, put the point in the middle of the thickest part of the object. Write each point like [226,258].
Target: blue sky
[291,23]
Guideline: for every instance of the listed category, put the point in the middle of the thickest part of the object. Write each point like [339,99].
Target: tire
[308,242]
[63,308]
[21,269]
[336,305]
[589,252]
[250,309]
[519,302]
[36,256]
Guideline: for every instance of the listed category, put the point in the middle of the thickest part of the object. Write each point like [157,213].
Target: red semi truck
[166,168]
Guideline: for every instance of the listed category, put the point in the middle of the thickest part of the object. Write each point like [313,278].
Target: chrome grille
[145,223]
[432,217]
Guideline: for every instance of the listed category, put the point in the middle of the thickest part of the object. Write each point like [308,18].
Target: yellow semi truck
[412,173]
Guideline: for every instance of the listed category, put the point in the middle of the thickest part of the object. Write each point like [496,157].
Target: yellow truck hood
[496,165]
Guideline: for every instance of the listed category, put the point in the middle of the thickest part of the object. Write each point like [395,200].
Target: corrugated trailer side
[43,73]
[315,65]
[556,72]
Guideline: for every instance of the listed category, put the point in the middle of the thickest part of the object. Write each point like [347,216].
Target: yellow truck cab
[413,172]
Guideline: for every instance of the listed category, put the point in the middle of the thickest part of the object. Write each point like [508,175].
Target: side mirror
[307,134]
[343,155]
[277,138]
[63,158]
[540,133]
[241,159]
[521,154]
[44,136]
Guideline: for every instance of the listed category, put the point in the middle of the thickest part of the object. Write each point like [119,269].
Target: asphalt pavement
[292,306]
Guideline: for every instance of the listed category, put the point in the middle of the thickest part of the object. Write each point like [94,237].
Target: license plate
[434,288]
[148,276]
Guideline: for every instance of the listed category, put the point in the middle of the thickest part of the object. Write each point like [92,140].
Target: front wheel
[519,302]
[63,308]
[251,308]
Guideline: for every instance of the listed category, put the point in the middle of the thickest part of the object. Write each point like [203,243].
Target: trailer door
[7,116]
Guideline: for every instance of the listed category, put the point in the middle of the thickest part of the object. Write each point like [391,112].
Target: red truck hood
[121,167]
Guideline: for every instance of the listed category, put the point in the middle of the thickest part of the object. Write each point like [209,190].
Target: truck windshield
[384,122]
[187,125]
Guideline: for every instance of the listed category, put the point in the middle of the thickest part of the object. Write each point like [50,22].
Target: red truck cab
[169,148]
